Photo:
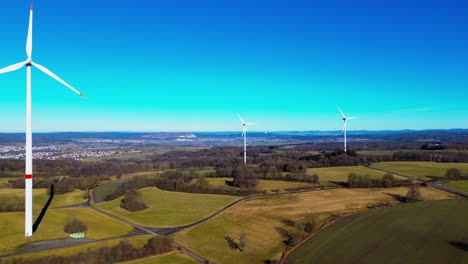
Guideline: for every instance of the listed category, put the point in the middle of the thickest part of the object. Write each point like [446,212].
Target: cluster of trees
[74,225]
[133,201]
[293,172]
[124,251]
[365,181]
[454,174]
[294,232]
[413,195]
[244,177]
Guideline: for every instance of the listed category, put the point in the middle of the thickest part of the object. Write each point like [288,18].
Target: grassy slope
[51,227]
[170,208]
[420,169]
[340,174]
[105,189]
[391,236]
[40,197]
[178,258]
[258,218]
[461,186]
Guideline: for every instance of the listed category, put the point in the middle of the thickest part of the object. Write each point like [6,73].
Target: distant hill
[231,137]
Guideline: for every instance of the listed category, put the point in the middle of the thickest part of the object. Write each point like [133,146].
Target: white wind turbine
[344,125]
[28,63]
[244,135]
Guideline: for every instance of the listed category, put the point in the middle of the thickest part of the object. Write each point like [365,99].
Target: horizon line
[235,131]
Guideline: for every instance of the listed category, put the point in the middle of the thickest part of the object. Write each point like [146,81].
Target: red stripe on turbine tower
[28,176]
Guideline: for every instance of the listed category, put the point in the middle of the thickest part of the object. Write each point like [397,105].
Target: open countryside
[232,132]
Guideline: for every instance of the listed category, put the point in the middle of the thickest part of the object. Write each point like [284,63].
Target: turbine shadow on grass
[342,184]
[44,210]
[460,245]
[398,197]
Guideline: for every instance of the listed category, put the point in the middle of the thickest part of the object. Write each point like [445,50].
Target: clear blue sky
[192,65]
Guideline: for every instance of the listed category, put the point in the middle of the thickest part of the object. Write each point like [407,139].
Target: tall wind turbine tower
[244,135]
[29,171]
[345,119]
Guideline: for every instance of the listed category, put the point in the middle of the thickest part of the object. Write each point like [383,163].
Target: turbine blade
[342,114]
[29,39]
[249,124]
[51,74]
[13,67]
[243,133]
[242,120]
[349,118]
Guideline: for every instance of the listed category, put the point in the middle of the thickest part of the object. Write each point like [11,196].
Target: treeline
[73,168]
[294,171]
[124,251]
[434,156]
[63,184]
[180,182]
[365,181]
[271,162]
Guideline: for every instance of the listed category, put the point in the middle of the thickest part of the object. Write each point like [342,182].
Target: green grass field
[340,174]
[421,170]
[262,184]
[51,227]
[171,258]
[425,232]
[40,197]
[4,181]
[259,219]
[461,186]
[169,209]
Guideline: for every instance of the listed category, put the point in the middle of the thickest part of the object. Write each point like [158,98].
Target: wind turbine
[344,125]
[244,135]
[28,63]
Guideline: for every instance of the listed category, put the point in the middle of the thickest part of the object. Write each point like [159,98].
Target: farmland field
[391,236]
[461,186]
[51,227]
[340,174]
[168,209]
[422,170]
[260,219]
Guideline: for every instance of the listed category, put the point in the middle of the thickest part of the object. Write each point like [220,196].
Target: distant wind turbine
[244,135]
[28,63]
[344,125]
